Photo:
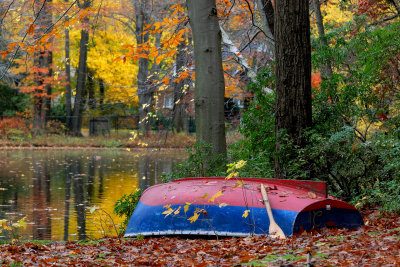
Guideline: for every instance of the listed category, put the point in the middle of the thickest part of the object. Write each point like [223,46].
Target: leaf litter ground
[375,244]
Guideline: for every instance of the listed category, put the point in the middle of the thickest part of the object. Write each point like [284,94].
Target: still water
[54,189]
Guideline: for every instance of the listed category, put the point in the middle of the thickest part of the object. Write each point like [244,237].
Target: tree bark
[82,73]
[144,92]
[293,72]
[266,11]
[180,88]
[101,91]
[43,61]
[327,68]
[91,90]
[68,105]
[210,84]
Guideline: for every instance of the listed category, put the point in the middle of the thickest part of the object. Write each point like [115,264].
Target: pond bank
[121,141]
[110,141]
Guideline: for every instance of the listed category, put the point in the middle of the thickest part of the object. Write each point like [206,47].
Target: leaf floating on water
[93,209]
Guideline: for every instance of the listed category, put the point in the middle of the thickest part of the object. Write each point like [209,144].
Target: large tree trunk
[68,106]
[82,73]
[210,84]
[144,92]
[43,61]
[293,71]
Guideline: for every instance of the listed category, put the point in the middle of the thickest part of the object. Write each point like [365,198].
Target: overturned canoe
[216,206]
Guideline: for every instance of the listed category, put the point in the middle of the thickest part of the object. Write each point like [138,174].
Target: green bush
[385,194]
[125,206]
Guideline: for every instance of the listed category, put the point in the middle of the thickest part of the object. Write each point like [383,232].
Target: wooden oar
[274,230]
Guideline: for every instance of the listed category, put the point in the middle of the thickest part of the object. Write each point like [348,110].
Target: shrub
[125,206]
[55,127]
[385,194]
[14,128]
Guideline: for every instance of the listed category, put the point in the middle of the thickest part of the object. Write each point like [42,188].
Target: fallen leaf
[194,217]
[204,196]
[312,195]
[216,195]
[238,184]
[245,213]
[187,204]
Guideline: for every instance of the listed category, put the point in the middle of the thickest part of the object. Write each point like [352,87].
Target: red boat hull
[234,207]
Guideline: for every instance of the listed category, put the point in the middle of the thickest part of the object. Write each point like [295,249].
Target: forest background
[66,63]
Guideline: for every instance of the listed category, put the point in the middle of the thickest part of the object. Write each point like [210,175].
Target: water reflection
[54,188]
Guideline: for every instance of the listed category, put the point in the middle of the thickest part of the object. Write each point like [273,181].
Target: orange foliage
[181,76]
[316,80]
[9,125]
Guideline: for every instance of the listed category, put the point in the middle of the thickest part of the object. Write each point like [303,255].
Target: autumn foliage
[13,126]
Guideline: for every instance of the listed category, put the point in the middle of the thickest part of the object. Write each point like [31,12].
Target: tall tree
[327,68]
[142,37]
[210,84]
[266,10]
[293,72]
[82,73]
[43,69]
[180,88]
[68,106]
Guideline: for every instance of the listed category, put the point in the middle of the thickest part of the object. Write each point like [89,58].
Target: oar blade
[275,231]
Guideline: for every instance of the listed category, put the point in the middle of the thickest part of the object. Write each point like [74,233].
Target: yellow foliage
[334,13]
[232,174]
[119,76]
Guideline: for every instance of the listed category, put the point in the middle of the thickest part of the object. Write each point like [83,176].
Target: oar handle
[266,203]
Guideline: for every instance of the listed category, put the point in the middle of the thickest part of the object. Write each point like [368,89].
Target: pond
[54,189]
